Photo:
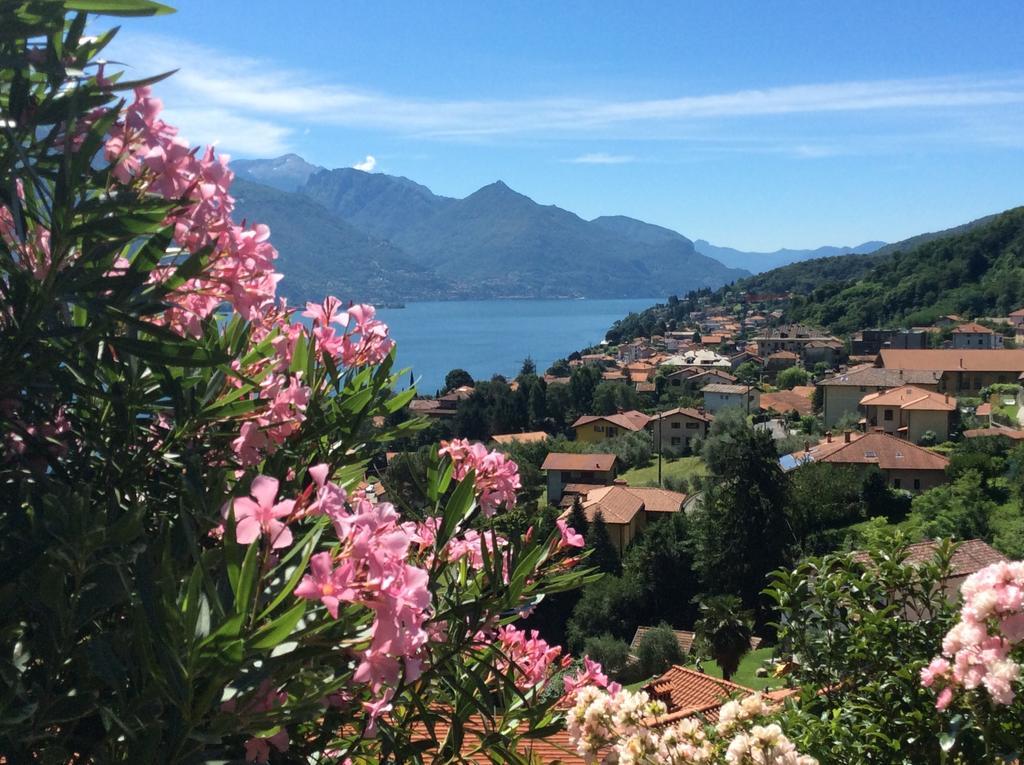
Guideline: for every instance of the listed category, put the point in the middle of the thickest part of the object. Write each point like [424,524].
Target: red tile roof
[616,504]
[567,461]
[695,414]
[687,692]
[658,500]
[911,398]
[970,556]
[1016,435]
[787,401]
[631,420]
[532,437]
[973,328]
[888,452]
[868,375]
[955,360]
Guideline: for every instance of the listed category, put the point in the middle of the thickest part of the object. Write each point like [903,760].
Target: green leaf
[119,7]
[248,578]
[275,633]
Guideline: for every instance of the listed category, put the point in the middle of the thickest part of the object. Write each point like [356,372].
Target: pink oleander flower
[496,477]
[257,749]
[324,583]
[529,656]
[259,515]
[591,674]
[570,537]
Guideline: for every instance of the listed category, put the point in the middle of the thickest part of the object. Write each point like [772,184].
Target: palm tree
[724,630]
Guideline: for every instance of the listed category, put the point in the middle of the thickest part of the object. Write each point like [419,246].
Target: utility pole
[661,416]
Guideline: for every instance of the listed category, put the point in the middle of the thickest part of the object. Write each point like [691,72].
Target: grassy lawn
[684,467]
[748,666]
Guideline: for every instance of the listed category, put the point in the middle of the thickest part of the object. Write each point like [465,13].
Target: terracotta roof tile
[615,503]
[631,420]
[970,556]
[955,360]
[532,437]
[568,461]
[1016,435]
[973,328]
[911,398]
[787,401]
[689,692]
[870,376]
[658,500]
[695,414]
[888,452]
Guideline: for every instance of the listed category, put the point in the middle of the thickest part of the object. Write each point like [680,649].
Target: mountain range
[758,262]
[384,238]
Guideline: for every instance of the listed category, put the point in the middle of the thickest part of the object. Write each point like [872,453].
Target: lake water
[485,337]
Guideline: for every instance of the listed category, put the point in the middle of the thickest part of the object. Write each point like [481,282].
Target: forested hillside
[974,270]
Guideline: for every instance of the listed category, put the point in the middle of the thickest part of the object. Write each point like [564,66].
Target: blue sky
[755,125]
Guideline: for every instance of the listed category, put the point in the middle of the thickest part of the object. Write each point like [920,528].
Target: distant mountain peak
[287,172]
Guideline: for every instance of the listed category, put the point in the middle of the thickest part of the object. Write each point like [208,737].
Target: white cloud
[367,164]
[267,101]
[601,158]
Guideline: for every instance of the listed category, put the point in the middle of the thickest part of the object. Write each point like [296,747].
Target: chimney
[807,446]
[620,482]
[828,436]
[947,398]
[846,436]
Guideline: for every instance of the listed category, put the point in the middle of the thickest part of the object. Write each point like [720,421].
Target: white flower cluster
[615,729]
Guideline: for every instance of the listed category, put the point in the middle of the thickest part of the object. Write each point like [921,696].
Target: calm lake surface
[485,337]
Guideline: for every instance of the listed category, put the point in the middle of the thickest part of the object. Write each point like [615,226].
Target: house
[593,428]
[718,396]
[685,639]
[970,557]
[776,362]
[635,350]
[784,401]
[679,428]
[826,351]
[904,465]
[1017,317]
[627,510]
[743,357]
[810,344]
[871,341]
[841,393]
[700,357]
[689,693]
[963,372]
[909,412]
[591,470]
[532,437]
[974,335]
[695,378]
[949,320]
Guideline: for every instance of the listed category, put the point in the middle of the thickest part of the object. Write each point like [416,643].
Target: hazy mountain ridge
[495,242]
[758,262]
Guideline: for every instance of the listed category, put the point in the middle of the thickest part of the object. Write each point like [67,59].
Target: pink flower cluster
[266,698]
[977,650]
[363,340]
[371,568]
[530,658]
[147,153]
[33,249]
[286,399]
[495,475]
[591,674]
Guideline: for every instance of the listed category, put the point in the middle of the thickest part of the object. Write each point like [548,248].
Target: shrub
[658,650]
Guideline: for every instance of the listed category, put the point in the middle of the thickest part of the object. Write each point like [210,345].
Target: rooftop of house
[784,355]
[1015,435]
[646,387]
[969,557]
[735,390]
[629,420]
[1018,312]
[972,328]
[798,399]
[616,504]
[532,437]
[870,376]
[696,414]
[581,462]
[684,638]
[955,360]
[888,452]
[687,692]
[911,398]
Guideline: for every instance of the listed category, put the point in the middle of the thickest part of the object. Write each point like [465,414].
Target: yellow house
[593,428]
[909,412]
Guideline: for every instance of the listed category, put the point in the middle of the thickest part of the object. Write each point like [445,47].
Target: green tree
[723,631]
[658,650]
[603,553]
[457,378]
[743,505]
[791,377]
[611,652]
[577,517]
[748,372]
[607,605]
[659,563]
[960,509]
[529,367]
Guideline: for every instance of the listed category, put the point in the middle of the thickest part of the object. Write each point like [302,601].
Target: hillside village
[924,416]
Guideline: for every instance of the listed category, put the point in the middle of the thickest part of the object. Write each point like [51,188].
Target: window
[675,426]
[611,431]
[917,484]
[676,440]
[599,428]
[675,381]
[888,415]
[895,483]
[691,426]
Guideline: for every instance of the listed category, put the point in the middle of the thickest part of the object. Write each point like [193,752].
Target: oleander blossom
[981,651]
[496,476]
[260,515]
[529,657]
[371,568]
